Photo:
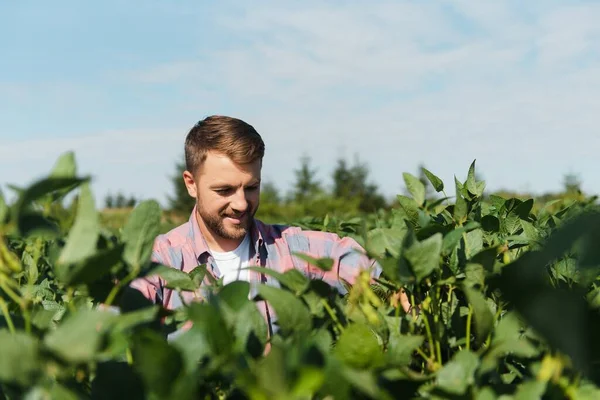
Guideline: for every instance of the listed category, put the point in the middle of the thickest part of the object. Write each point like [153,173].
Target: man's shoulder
[175,238]
[285,231]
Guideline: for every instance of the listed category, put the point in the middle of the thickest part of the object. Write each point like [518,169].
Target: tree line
[351,192]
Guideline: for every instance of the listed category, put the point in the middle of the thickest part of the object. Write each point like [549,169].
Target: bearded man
[223,157]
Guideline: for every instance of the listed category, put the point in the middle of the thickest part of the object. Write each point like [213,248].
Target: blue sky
[399,83]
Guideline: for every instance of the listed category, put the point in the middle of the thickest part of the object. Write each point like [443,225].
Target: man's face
[227,195]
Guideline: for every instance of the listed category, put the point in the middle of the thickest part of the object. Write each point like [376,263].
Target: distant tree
[131,202]
[181,201]
[306,185]
[352,182]
[572,183]
[269,193]
[120,201]
[109,201]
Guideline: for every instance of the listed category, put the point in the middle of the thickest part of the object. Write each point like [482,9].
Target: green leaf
[415,187]
[140,231]
[530,390]
[437,183]
[489,223]
[209,320]
[453,237]
[158,364]
[79,336]
[20,362]
[175,279]
[358,347]
[65,166]
[402,347]
[507,340]
[382,240]
[459,373]
[324,263]
[292,314]
[83,236]
[132,319]
[424,256]
[471,184]
[484,320]
[45,186]
[235,294]
[4,210]
[407,209]
[460,207]
[292,279]
[117,380]
[473,242]
[250,330]
[91,269]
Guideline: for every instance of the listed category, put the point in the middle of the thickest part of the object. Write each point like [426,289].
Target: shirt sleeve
[151,286]
[349,258]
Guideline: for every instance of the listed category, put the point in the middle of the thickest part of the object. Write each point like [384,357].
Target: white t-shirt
[231,262]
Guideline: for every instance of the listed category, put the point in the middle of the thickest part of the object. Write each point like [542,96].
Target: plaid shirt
[272,246]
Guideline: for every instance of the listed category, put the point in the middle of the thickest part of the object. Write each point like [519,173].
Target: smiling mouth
[236,219]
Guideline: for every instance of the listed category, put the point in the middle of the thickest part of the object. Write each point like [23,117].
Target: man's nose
[239,202]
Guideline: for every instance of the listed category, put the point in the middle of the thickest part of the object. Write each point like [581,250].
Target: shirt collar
[198,243]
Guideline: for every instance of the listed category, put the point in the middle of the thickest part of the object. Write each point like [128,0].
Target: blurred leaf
[79,336]
[175,279]
[530,390]
[208,319]
[402,347]
[117,380]
[89,270]
[484,320]
[292,314]
[158,364]
[293,279]
[82,238]
[323,263]
[20,362]
[43,187]
[235,294]
[358,347]
[140,231]
[458,374]
[65,166]
[4,210]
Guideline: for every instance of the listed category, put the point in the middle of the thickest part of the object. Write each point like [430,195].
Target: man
[223,157]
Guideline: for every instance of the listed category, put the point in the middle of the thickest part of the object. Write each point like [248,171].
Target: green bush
[507,306]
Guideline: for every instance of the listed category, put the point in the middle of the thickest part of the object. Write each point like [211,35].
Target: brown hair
[226,135]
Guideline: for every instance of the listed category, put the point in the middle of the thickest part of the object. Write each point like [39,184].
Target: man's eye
[252,188]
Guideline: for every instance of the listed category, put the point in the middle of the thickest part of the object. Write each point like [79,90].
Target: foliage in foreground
[508,306]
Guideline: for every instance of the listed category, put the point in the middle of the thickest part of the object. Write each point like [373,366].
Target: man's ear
[190,183]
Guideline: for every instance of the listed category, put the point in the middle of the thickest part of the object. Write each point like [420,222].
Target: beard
[216,223]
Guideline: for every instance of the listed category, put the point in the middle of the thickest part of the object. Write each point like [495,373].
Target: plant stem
[13,296]
[334,317]
[468,335]
[429,335]
[115,290]
[7,317]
